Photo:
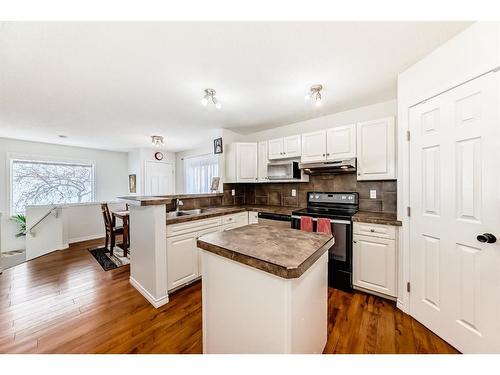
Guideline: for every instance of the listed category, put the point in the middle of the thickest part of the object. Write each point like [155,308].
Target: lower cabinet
[374,261]
[182,260]
[183,256]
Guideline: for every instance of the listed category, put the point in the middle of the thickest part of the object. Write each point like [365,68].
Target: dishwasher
[277,220]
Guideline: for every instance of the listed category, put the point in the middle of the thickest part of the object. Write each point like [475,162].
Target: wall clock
[158,155]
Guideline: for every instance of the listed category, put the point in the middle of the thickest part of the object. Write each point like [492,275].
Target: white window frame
[184,170]
[11,157]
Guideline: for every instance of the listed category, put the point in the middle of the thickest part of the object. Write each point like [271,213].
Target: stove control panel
[345,198]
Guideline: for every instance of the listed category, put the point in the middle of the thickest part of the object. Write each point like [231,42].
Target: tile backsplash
[280,194]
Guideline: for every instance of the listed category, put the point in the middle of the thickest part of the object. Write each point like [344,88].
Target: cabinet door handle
[323,154]
[327,154]
[355,241]
[372,230]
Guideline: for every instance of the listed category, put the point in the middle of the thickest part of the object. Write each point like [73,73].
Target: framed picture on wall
[215,184]
[132,183]
[218,146]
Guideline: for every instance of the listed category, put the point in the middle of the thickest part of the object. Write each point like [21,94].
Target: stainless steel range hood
[334,166]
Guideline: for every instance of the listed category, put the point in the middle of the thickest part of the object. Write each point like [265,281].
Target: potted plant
[20,219]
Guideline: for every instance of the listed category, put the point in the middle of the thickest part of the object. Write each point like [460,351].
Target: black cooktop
[331,205]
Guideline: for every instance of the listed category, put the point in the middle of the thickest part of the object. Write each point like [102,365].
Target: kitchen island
[264,290]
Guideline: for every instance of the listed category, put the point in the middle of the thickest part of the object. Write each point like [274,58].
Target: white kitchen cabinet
[292,146]
[341,142]
[241,162]
[275,149]
[198,235]
[313,146]
[253,217]
[262,161]
[374,260]
[283,148]
[182,260]
[376,149]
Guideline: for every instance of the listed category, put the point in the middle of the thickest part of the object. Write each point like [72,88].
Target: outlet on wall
[373,194]
[294,193]
[233,192]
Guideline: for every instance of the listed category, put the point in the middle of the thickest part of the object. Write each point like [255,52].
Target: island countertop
[283,252]
[138,200]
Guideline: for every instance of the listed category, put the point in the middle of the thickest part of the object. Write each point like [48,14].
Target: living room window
[47,182]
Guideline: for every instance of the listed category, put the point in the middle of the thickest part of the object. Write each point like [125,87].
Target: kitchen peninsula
[264,290]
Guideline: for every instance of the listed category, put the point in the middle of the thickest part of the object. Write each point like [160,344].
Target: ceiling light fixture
[315,94]
[157,140]
[210,96]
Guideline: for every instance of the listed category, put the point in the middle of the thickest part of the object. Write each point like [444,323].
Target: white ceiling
[112,85]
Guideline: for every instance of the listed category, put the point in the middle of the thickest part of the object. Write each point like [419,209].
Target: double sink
[179,213]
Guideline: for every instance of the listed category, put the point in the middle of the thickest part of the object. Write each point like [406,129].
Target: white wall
[469,54]
[370,112]
[110,172]
[137,158]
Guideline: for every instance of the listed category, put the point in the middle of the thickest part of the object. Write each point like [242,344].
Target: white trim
[86,238]
[156,302]
[12,156]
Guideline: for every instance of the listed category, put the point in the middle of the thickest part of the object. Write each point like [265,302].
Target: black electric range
[339,208]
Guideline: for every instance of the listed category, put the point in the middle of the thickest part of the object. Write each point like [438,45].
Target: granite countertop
[227,210]
[270,209]
[376,218]
[283,252]
[207,213]
[163,199]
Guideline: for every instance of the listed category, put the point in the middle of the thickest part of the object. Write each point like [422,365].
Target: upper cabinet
[313,146]
[332,144]
[341,142]
[282,148]
[376,149]
[241,162]
[262,161]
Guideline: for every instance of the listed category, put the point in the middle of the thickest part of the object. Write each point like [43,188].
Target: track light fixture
[315,94]
[210,97]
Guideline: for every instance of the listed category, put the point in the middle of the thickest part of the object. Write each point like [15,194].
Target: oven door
[339,255]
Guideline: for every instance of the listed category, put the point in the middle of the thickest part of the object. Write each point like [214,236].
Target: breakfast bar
[264,290]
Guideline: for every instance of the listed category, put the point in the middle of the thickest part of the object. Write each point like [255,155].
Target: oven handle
[331,221]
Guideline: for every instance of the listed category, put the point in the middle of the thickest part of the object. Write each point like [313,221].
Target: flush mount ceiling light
[157,140]
[314,94]
[210,97]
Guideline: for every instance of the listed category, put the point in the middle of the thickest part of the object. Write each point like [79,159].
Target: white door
[262,161]
[182,259]
[246,159]
[275,148]
[291,146]
[158,178]
[374,264]
[341,142]
[314,146]
[376,149]
[454,197]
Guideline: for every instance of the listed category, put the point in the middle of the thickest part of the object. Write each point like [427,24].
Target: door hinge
[408,211]
[408,287]
[408,135]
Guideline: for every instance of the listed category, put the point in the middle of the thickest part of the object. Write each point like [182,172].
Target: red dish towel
[306,223]
[324,226]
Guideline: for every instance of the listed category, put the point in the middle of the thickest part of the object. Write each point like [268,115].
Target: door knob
[486,238]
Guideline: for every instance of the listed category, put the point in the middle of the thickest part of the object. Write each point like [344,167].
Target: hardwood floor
[65,303]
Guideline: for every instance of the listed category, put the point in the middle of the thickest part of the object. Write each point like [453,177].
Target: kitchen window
[48,182]
[198,173]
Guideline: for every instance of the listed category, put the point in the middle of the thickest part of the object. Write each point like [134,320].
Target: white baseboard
[156,302]
[86,238]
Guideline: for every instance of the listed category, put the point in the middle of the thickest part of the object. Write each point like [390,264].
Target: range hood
[333,166]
